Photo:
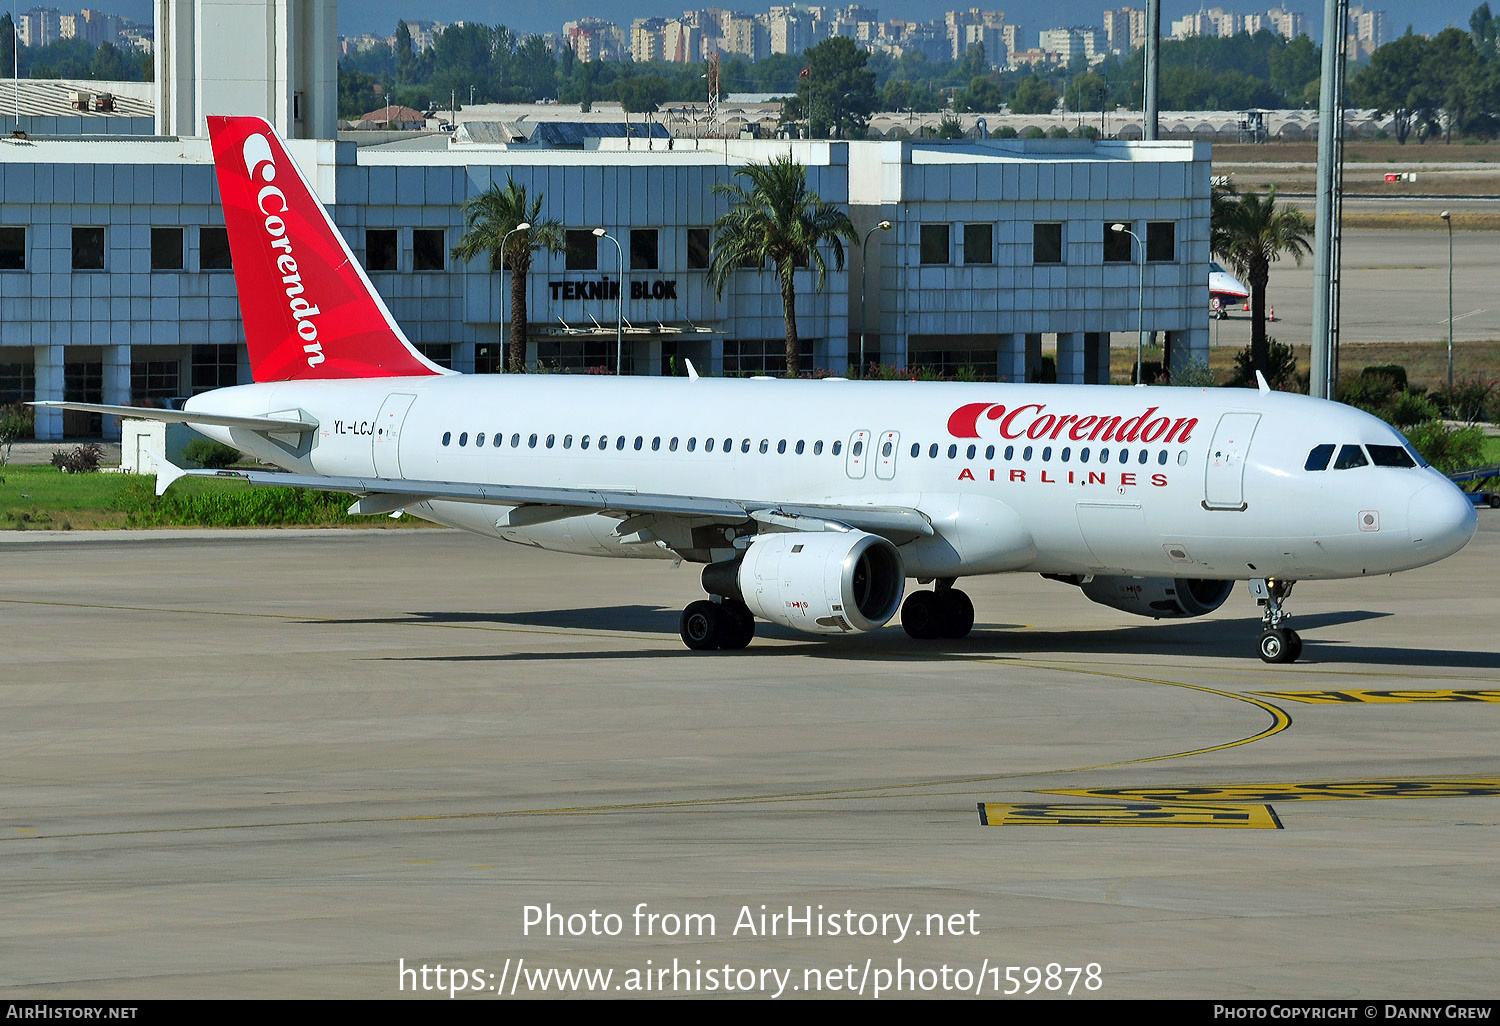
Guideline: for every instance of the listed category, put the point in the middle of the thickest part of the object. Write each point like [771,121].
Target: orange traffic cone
[1247,306]
[1272,315]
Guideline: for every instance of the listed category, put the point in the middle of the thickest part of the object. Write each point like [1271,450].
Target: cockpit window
[1319,457]
[1390,456]
[1350,456]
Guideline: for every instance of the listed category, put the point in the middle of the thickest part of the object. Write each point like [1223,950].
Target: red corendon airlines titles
[1030,420]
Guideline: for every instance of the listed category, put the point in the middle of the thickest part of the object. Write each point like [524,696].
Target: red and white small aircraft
[810,502]
[1224,291]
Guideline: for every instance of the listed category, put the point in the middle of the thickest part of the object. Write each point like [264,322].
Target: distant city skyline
[380,16]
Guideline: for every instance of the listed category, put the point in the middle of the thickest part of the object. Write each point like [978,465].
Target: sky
[380,16]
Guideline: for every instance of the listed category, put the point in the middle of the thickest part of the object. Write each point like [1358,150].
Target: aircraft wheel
[739,625]
[1276,646]
[702,626]
[1295,640]
[957,614]
[921,615]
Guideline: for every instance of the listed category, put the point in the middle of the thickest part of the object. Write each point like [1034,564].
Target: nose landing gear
[1278,643]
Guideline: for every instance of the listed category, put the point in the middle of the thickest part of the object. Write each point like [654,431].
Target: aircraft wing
[385,495]
[293,421]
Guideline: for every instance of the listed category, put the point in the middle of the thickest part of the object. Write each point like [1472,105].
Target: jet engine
[1156,597]
[826,582]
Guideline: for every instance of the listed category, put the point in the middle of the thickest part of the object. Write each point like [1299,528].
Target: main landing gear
[708,625]
[1278,643]
[944,612]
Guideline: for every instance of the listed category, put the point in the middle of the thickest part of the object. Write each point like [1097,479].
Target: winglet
[166,473]
[1260,379]
[692,371]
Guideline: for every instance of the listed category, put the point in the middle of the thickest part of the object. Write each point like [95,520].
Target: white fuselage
[1064,479]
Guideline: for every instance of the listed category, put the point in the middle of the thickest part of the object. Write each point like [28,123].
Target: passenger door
[1224,480]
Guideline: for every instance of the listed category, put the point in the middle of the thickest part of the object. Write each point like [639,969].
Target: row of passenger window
[1351,456]
[622,442]
[1065,454]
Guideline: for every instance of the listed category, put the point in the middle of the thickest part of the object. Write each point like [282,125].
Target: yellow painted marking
[1317,790]
[1280,720]
[1356,696]
[23,830]
[1134,814]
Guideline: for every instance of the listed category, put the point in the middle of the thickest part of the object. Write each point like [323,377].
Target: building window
[1117,245]
[749,356]
[935,244]
[1161,241]
[643,249]
[380,249]
[699,248]
[489,358]
[1046,243]
[12,249]
[440,353]
[155,379]
[577,353]
[427,249]
[166,249]
[979,244]
[88,249]
[215,366]
[17,382]
[213,250]
[583,250]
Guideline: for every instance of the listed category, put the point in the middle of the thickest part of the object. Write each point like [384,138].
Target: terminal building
[116,284]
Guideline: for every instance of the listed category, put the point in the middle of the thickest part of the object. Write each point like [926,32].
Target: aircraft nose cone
[1442,519]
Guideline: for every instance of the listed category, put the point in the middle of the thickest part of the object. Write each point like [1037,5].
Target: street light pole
[620,306]
[522,227]
[1448,220]
[1140,310]
[864,273]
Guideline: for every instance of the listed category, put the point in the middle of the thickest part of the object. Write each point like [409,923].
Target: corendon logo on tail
[272,203]
[1032,421]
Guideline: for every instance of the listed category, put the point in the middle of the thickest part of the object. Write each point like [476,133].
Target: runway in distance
[810,503]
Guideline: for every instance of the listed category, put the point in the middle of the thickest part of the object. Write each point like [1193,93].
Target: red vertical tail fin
[309,309]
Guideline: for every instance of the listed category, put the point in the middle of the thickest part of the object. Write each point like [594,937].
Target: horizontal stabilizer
[295,422]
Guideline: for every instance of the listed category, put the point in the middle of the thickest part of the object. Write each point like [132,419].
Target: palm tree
[488,218]
[1251,234]
[776,219]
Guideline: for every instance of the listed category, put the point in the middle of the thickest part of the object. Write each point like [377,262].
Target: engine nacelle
[828,582]
[1157,597]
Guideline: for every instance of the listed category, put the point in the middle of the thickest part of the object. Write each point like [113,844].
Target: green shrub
[1281,367]
[1408,409]
[81,459]
[1394,371]
[17,421]
[1468,401]
[1447,448]
[1005,132]
[1192,374]
[1370,391]
[209,454]
[1033,132]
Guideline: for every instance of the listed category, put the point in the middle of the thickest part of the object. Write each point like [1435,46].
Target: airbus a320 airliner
[810,502]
